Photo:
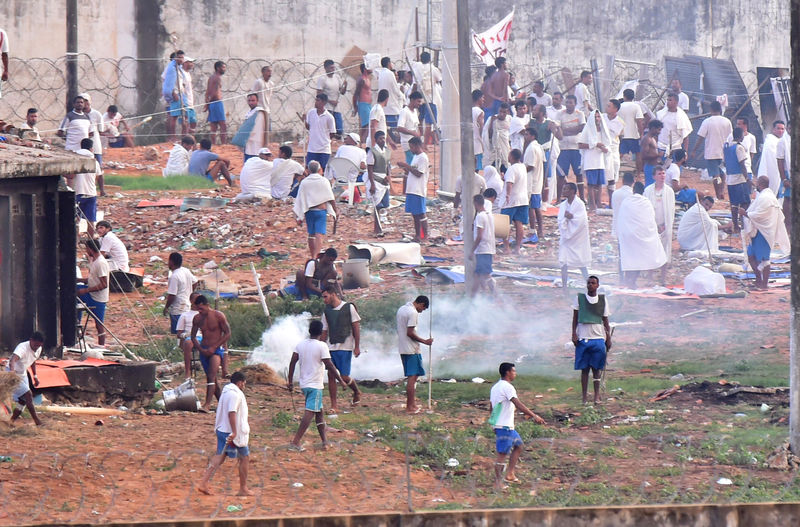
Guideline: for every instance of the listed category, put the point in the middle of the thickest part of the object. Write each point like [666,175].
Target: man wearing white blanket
[763,230]
[575,249]
[640,247]
[314,199]
[662,198]
[697,230]
[256,175]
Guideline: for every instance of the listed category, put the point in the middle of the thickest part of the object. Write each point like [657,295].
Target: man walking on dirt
[408,344]
[341,328]
[212,345]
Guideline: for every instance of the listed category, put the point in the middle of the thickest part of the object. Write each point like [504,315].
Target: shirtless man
[211,345]
[362,100]
[214,106]
[649,150]
[497,87]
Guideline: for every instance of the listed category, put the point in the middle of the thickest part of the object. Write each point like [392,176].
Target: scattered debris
[724,481]
[663,394]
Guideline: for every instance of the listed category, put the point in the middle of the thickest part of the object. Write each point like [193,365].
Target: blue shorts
[294,290]
[232,451]
[216,112]
[629,146]
[492,109]
[590,354]
[205,362]
[536,201]
[391,121]
[519,214]
[117,142]
[412,365]
[313,399]
[319,157]
[88,207]
[175,111]
[415,204]
[483,264]
[479,162]
[317,221]
[338,122]
[364,109]
[341,359]
[98,308]
[99,158]
[596,176]
[739,194]
[758,248]
[649,176]
[507,439]
[714,167]
[429,113]
[173,323]
[569,158]
[191,116]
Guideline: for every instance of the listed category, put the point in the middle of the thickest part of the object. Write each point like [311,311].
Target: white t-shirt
[232,400]
[376,114]
[178,162]
[357,155]
[263,89]
[418,185]
[592,331]
[517,175]
[330,86]
[116,250]
[98,269]
[744,160]
[683,101]
[748,142]
[502,393]
[350,342]
[544,99]
[477,144]
[630,112]
[311,369]
[85,184]
[534,157]
[27,356]
[256,177]
[184,326]
[479,185]
[616,127]
[673,174]
[582,94]
[714,130]
[570,142]
[98,125]
[408,119]
[407,317]
[484,221]
[593,158]
[76,127]
[320,128]
[388,81]
[180,284]
[3,42]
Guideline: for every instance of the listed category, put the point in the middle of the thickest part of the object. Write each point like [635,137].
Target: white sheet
[640,246]
[668,202]
[764,215]
[575,248]
[698,231]
[314,190]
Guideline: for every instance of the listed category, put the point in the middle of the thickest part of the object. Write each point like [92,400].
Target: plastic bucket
[355,273]
[183,397]
[502,226]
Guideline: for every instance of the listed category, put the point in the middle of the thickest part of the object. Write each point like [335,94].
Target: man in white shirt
[631,114]
[712,133]
[24,357]
[350,150]
[178,161]
[428,79]
[478,100]
[764,228]
[255,176]
[575,248]
[533,159]
[233,434]
[676,126]
[540,96]
[591,334]
[95,294]
[388,81]
[180,285]
[517,125]
[117,129]
[517,201]
[314,358]
[28,129]
[483,235]
[748,141]
[85,188]
[697,230]
[263,89]
[284,180]
[321,128]
[98,127]
[616,129]
[572,122]
[583,95]
[504,402]
[378,120]
[341,329]
[683,99]
[408,342]
[416,174]
[75,126]
[257,136]
[332,85]
[408,123]
[113,249]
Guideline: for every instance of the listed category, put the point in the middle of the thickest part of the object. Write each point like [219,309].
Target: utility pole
[467,152]
[450,136]
[794,329]
[72,51]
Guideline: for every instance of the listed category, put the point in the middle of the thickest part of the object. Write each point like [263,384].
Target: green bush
[185,182]
[159,349]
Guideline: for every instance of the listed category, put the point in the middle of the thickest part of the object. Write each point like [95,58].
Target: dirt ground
[145,466]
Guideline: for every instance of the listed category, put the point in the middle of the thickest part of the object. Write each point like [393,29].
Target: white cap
[355,137]
[265,152]
[187,59]
[85,96]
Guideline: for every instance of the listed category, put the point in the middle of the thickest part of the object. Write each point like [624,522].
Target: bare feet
[245,492]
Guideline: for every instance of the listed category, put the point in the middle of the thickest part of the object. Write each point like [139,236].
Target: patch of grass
[204,244]
[158,350]
[282,420]
[185,182]
[380,313]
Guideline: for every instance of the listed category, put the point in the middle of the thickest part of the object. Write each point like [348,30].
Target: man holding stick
[591,335]
[408,344]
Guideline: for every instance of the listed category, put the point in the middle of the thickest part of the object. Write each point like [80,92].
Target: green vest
[381,165]
[591,313]
[543,134]
[339,323]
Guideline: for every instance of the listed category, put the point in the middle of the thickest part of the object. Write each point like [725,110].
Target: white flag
[493,42]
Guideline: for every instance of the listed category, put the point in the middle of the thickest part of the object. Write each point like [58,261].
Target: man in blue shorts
[214,105]
[416,173]
[205,163]
[233,434]
[314,358]
[216,332]
[483,234]
[341,328]
[314,198]
[408,344]
[763,229]
[94,294]
[591,335]
[504,400]
[517,202]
